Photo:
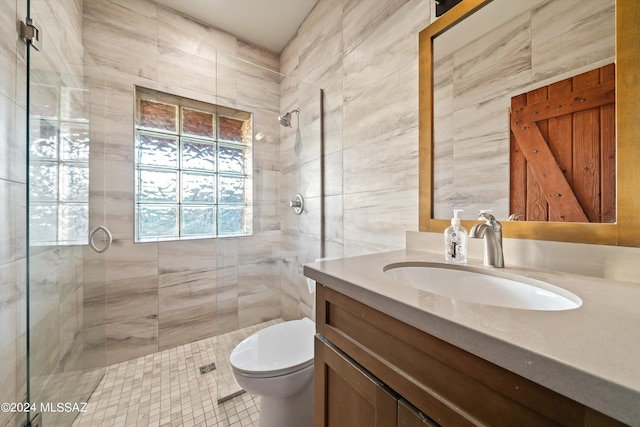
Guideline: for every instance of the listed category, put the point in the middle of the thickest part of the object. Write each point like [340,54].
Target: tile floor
[167,389]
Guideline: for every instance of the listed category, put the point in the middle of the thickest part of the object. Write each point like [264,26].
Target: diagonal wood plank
[555,187]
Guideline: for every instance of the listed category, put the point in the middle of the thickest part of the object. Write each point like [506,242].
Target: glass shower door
[65,223]
[259,276]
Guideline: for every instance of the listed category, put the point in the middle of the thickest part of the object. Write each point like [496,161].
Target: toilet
[276,363]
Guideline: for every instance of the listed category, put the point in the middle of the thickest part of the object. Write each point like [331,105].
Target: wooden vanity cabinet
[409,416]
[371,369]
[353,397]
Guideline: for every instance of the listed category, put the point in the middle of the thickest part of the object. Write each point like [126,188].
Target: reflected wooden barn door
[563,150]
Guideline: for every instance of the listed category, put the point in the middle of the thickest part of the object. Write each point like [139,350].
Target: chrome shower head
[285,119]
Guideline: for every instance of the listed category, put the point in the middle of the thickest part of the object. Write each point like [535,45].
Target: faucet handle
[491,220]
[486,214]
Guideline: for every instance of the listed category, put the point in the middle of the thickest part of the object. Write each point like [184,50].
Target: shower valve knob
[297,203]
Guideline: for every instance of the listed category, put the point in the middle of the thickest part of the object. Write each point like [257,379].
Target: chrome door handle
[93,234]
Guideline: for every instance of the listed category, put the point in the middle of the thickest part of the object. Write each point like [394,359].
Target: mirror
[626,230]
[506,56]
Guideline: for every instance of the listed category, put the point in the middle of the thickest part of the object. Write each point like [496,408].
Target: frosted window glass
[74,182]
[44,140]
[157,222]
[198,188]
[74,142]
[73,222]
[196,155]
[198,221]
[158,186]
[231,159]
[180,192]
[231,220]
[59,149]
[43,223]
[231,189]
[43,181]
[157,150]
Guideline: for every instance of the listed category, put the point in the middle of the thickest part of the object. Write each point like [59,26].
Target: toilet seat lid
[276,350]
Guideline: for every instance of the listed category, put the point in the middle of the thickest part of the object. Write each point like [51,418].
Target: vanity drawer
[450,385]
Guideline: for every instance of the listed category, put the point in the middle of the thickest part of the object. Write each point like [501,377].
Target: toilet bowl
[276,363]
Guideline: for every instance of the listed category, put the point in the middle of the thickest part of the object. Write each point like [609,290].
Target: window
[193,165]
[58,166]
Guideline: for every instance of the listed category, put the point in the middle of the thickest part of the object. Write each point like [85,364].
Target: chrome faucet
[491,232]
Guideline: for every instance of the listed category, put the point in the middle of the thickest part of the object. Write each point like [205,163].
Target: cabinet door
[347,395]
[409,416]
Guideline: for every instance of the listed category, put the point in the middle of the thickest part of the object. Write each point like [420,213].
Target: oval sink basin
[465,284]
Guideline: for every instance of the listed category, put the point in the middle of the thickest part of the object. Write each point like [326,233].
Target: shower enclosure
[66,223]
[259,277]
[71,212]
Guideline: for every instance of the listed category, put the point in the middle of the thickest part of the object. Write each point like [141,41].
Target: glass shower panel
[259,278]
[301,166]
[65,278]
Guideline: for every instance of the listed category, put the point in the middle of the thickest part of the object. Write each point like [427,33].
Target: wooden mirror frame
[626,231]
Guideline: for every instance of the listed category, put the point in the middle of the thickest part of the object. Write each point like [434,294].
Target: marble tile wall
[475,83]
[364,55]
[372,214]
[161,295]
[300,160]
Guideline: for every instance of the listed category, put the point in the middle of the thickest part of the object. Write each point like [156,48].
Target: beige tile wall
[364,54]
[368,71]
[160,295]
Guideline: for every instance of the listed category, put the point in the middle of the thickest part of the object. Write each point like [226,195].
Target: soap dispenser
[455,241]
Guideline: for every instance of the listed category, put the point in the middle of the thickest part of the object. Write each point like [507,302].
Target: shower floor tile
[167,389]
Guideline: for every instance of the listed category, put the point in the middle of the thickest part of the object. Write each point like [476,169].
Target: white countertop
[590,354]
